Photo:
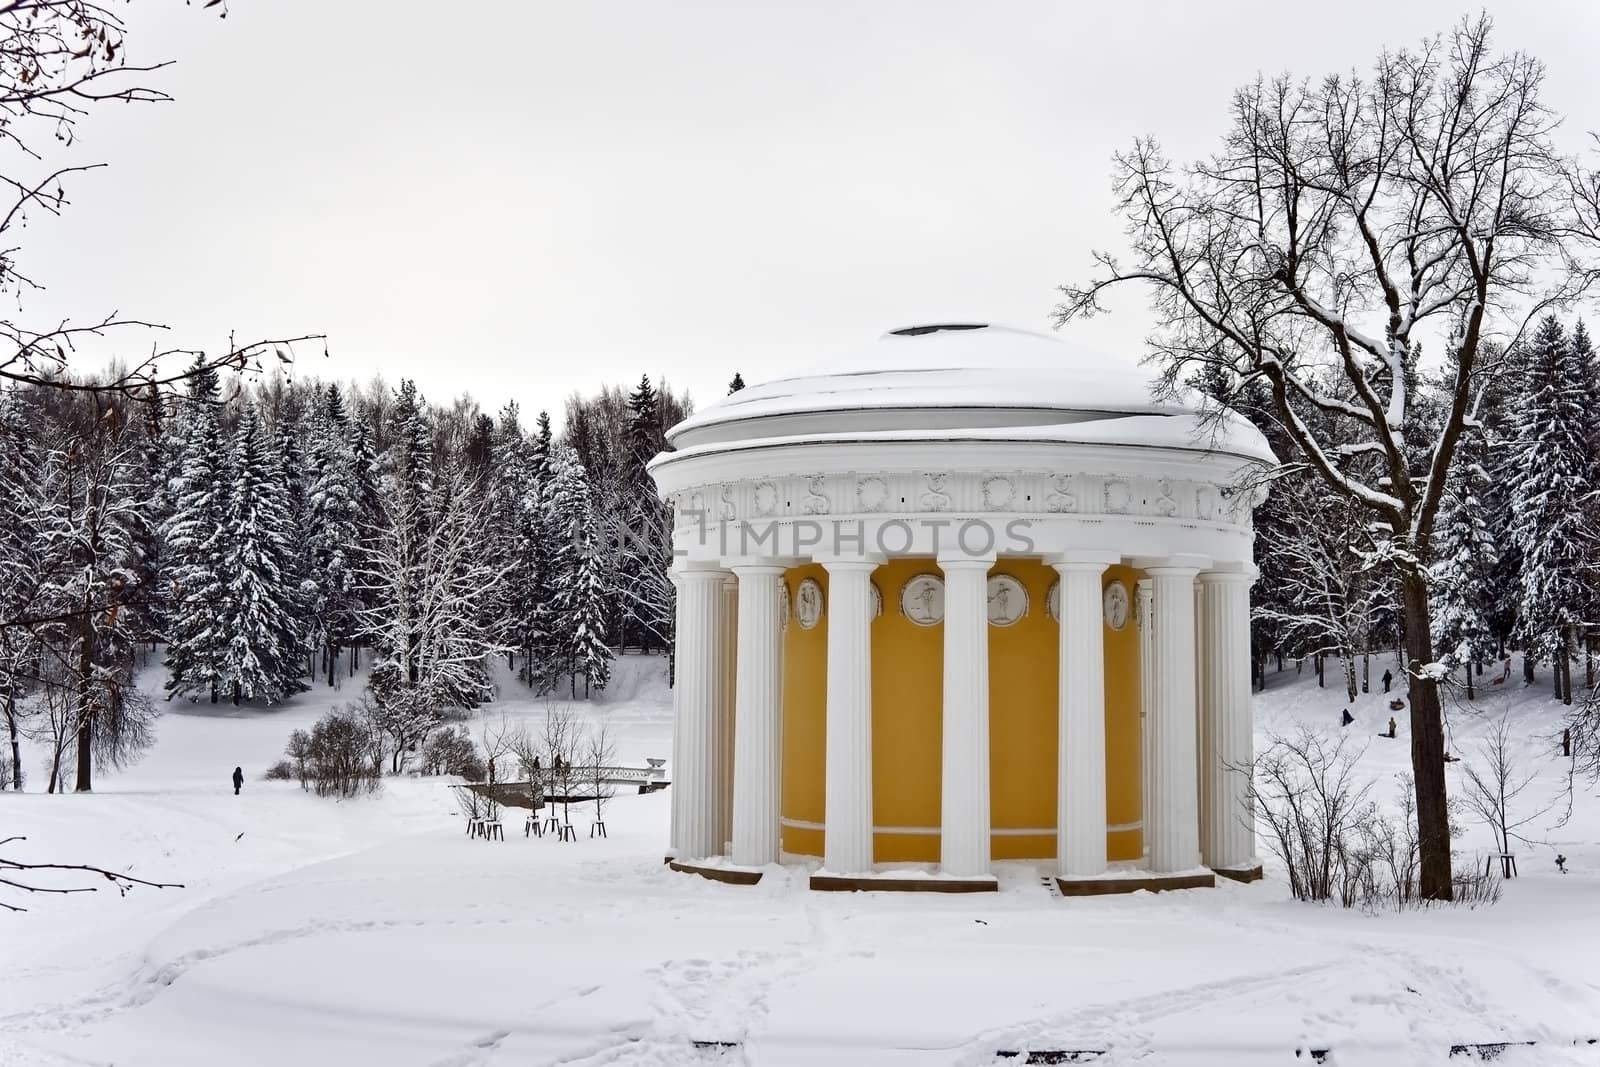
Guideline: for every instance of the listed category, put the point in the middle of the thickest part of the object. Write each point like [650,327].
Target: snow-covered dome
[965,381]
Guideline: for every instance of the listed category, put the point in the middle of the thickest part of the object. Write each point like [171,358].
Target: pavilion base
[1240,874]
[1134,882]
[894,883]
[717,872]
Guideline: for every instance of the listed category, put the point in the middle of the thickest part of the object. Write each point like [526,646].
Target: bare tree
[1495,785]
[1344,221]
[529,751]
[600,751]
[1311,803]
[560,741]
[29,877]
[1329,598]
[499,741]
[59,60]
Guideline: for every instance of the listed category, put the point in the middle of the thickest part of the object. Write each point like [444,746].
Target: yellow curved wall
[907,720]
[907,683]
[805,718]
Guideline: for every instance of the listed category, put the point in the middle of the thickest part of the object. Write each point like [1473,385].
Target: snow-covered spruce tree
[568,511]
[646,544]
[591,656]
[262,657]
[90,531]
[1463,573]
[1553,486]
[508,478]
[22,506]
[194,546]
[286,465]
[1342,220]
[369,517]
[737,383]
[536,550]
[333,538]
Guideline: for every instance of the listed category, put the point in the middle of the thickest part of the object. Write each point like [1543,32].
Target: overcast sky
[517,198]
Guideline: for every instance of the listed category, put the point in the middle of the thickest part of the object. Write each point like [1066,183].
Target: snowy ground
[373,932]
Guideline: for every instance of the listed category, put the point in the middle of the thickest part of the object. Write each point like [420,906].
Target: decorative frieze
[1081,494]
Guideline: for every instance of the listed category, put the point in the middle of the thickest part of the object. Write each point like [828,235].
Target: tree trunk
[1321,680]
[333,661]
[85,777]
[1527,666]
[1366,671]
[1565,673]
[16,746]
[1467,670]
[1350,678]
[1427,745]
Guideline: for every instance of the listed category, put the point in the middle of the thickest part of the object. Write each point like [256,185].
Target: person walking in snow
[238,780]
[1391,727]
[1388,677]
[1345,718]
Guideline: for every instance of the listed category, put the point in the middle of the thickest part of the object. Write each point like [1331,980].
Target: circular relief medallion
[1116,605]
[877,600]
[808,604]
[1008,600]
[783,605]
[922,600]
[1052,600]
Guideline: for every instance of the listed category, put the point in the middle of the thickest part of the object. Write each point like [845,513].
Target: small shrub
[282,771]
[453,752]
[336,757]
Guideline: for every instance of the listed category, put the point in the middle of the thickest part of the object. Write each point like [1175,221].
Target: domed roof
[963,381]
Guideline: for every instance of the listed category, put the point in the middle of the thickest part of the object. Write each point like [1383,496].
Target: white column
[697,684]
[680,628]
[757,728]
[964,794]
[1147,688]
[730,683]
[1227,830]
[1201,659]
[1175,836]
[847,840]
[1081,733]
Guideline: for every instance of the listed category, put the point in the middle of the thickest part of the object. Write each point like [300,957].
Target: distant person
[1345,718]
[1561,863]
[1388,677]
[1391,726]
[1506,675]
[238,780]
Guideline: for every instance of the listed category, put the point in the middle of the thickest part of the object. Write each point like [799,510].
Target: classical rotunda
[967,595]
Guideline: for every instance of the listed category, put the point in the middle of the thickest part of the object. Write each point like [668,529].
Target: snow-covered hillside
[373,931]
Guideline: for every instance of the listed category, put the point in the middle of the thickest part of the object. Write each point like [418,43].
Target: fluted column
[1227,832]
[680,628]
[1081,733]
[697,685]
[1175,835]
[1202,656]
[847,840]
[757,730]
[1147,686]
[730,684]
[964,793]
